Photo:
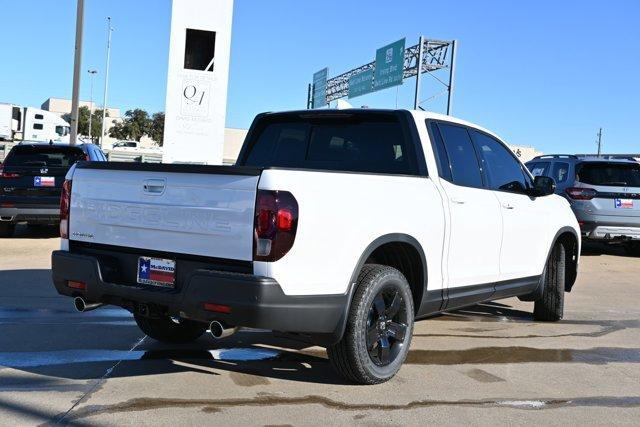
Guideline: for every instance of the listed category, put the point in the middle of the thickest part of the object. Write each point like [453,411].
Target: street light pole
[106,80]
[77,63]
[91,74]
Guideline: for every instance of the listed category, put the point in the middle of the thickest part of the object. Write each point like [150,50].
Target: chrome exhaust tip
[219,330]
[81,305]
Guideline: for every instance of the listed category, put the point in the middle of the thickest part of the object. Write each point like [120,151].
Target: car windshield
[610,174]
[30,155]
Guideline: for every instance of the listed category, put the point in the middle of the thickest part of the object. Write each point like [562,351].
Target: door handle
[457,201]
[154,186]
[507,206]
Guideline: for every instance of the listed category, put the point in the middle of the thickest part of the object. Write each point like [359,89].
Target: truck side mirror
[543,186]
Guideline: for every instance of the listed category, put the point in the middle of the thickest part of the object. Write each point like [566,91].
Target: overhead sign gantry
[393,64]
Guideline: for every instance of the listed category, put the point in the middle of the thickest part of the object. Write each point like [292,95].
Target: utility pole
[91,74]
[418,73]
[77,63]
[106,81]
[599,141]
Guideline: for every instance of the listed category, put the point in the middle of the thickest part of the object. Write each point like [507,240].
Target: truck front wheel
[170,330]
[7,229]
[379,327]
[550,306]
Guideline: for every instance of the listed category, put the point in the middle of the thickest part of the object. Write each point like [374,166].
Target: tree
[119,131]
[96,124]
[83,122]
[135,125]
[156,131]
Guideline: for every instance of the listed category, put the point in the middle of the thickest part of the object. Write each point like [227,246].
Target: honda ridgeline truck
[340,226]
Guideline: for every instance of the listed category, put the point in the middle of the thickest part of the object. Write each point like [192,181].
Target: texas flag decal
[156,271]
[624,203]
[44,181]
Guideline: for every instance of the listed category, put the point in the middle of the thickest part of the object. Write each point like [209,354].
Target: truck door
[525,226]
[475,226]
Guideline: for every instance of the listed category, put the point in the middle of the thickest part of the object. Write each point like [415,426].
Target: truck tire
[550,307]
[6,230]
[166,329]
[379,327]
[632,248]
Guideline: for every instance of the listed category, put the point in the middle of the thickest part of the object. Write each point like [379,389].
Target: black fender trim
[537,293]
[430,299]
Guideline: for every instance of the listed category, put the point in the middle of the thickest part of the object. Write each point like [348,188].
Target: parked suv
[31,180]
[604,193]
[339,227]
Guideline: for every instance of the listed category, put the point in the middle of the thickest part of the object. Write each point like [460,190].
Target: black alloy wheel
[386,326]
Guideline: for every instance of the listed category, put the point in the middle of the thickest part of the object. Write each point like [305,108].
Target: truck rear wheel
[168,330]
[379,327]
[6,229]
[632,248]
[550,307]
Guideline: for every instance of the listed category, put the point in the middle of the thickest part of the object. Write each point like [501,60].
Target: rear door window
[444,168]
[503,170]
[538,168]
[465,169]
[43,156]
[375,144]
[560,172]
[609,174]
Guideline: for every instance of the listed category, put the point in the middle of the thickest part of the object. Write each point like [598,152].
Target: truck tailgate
[206,211]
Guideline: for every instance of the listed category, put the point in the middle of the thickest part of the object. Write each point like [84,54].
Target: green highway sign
[389,65]
[361,83]
[320,88]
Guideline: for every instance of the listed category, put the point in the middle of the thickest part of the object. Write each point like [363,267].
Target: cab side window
[463,160]
[504,172]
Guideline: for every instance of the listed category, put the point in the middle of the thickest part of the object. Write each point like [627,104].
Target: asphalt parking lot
[489,364]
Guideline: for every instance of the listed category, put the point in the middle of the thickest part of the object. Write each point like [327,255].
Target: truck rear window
[375,144]
[30,155]
[610,174]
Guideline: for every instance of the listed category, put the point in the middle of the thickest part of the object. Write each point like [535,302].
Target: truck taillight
[4,174]
[65,205]
[275,224]
[579,193]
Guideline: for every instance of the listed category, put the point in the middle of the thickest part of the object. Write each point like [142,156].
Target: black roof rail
[607,156]
[555,156]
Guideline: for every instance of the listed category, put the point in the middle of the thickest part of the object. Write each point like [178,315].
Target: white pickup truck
[342,227]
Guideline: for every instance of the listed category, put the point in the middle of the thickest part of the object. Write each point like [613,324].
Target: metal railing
[133,156]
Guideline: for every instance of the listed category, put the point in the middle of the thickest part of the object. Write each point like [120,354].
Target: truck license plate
[157,272]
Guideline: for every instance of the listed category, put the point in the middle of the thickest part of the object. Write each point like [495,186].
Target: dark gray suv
[604,193]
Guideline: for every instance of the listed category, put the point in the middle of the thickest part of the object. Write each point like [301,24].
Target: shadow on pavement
[24,231]
[590,248]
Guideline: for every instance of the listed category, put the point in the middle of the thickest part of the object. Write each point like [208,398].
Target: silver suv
[604,193]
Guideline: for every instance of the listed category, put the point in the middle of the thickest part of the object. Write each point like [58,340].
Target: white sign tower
[199,52]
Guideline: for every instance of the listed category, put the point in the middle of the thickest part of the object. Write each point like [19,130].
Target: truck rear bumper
[40,215]
[254,301]
[607,230]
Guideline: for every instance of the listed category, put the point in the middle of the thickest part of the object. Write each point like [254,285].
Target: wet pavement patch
[248,380]
[213,405]
[501,355]
[605,327]
[65,357]
[480,355]
[483,376]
